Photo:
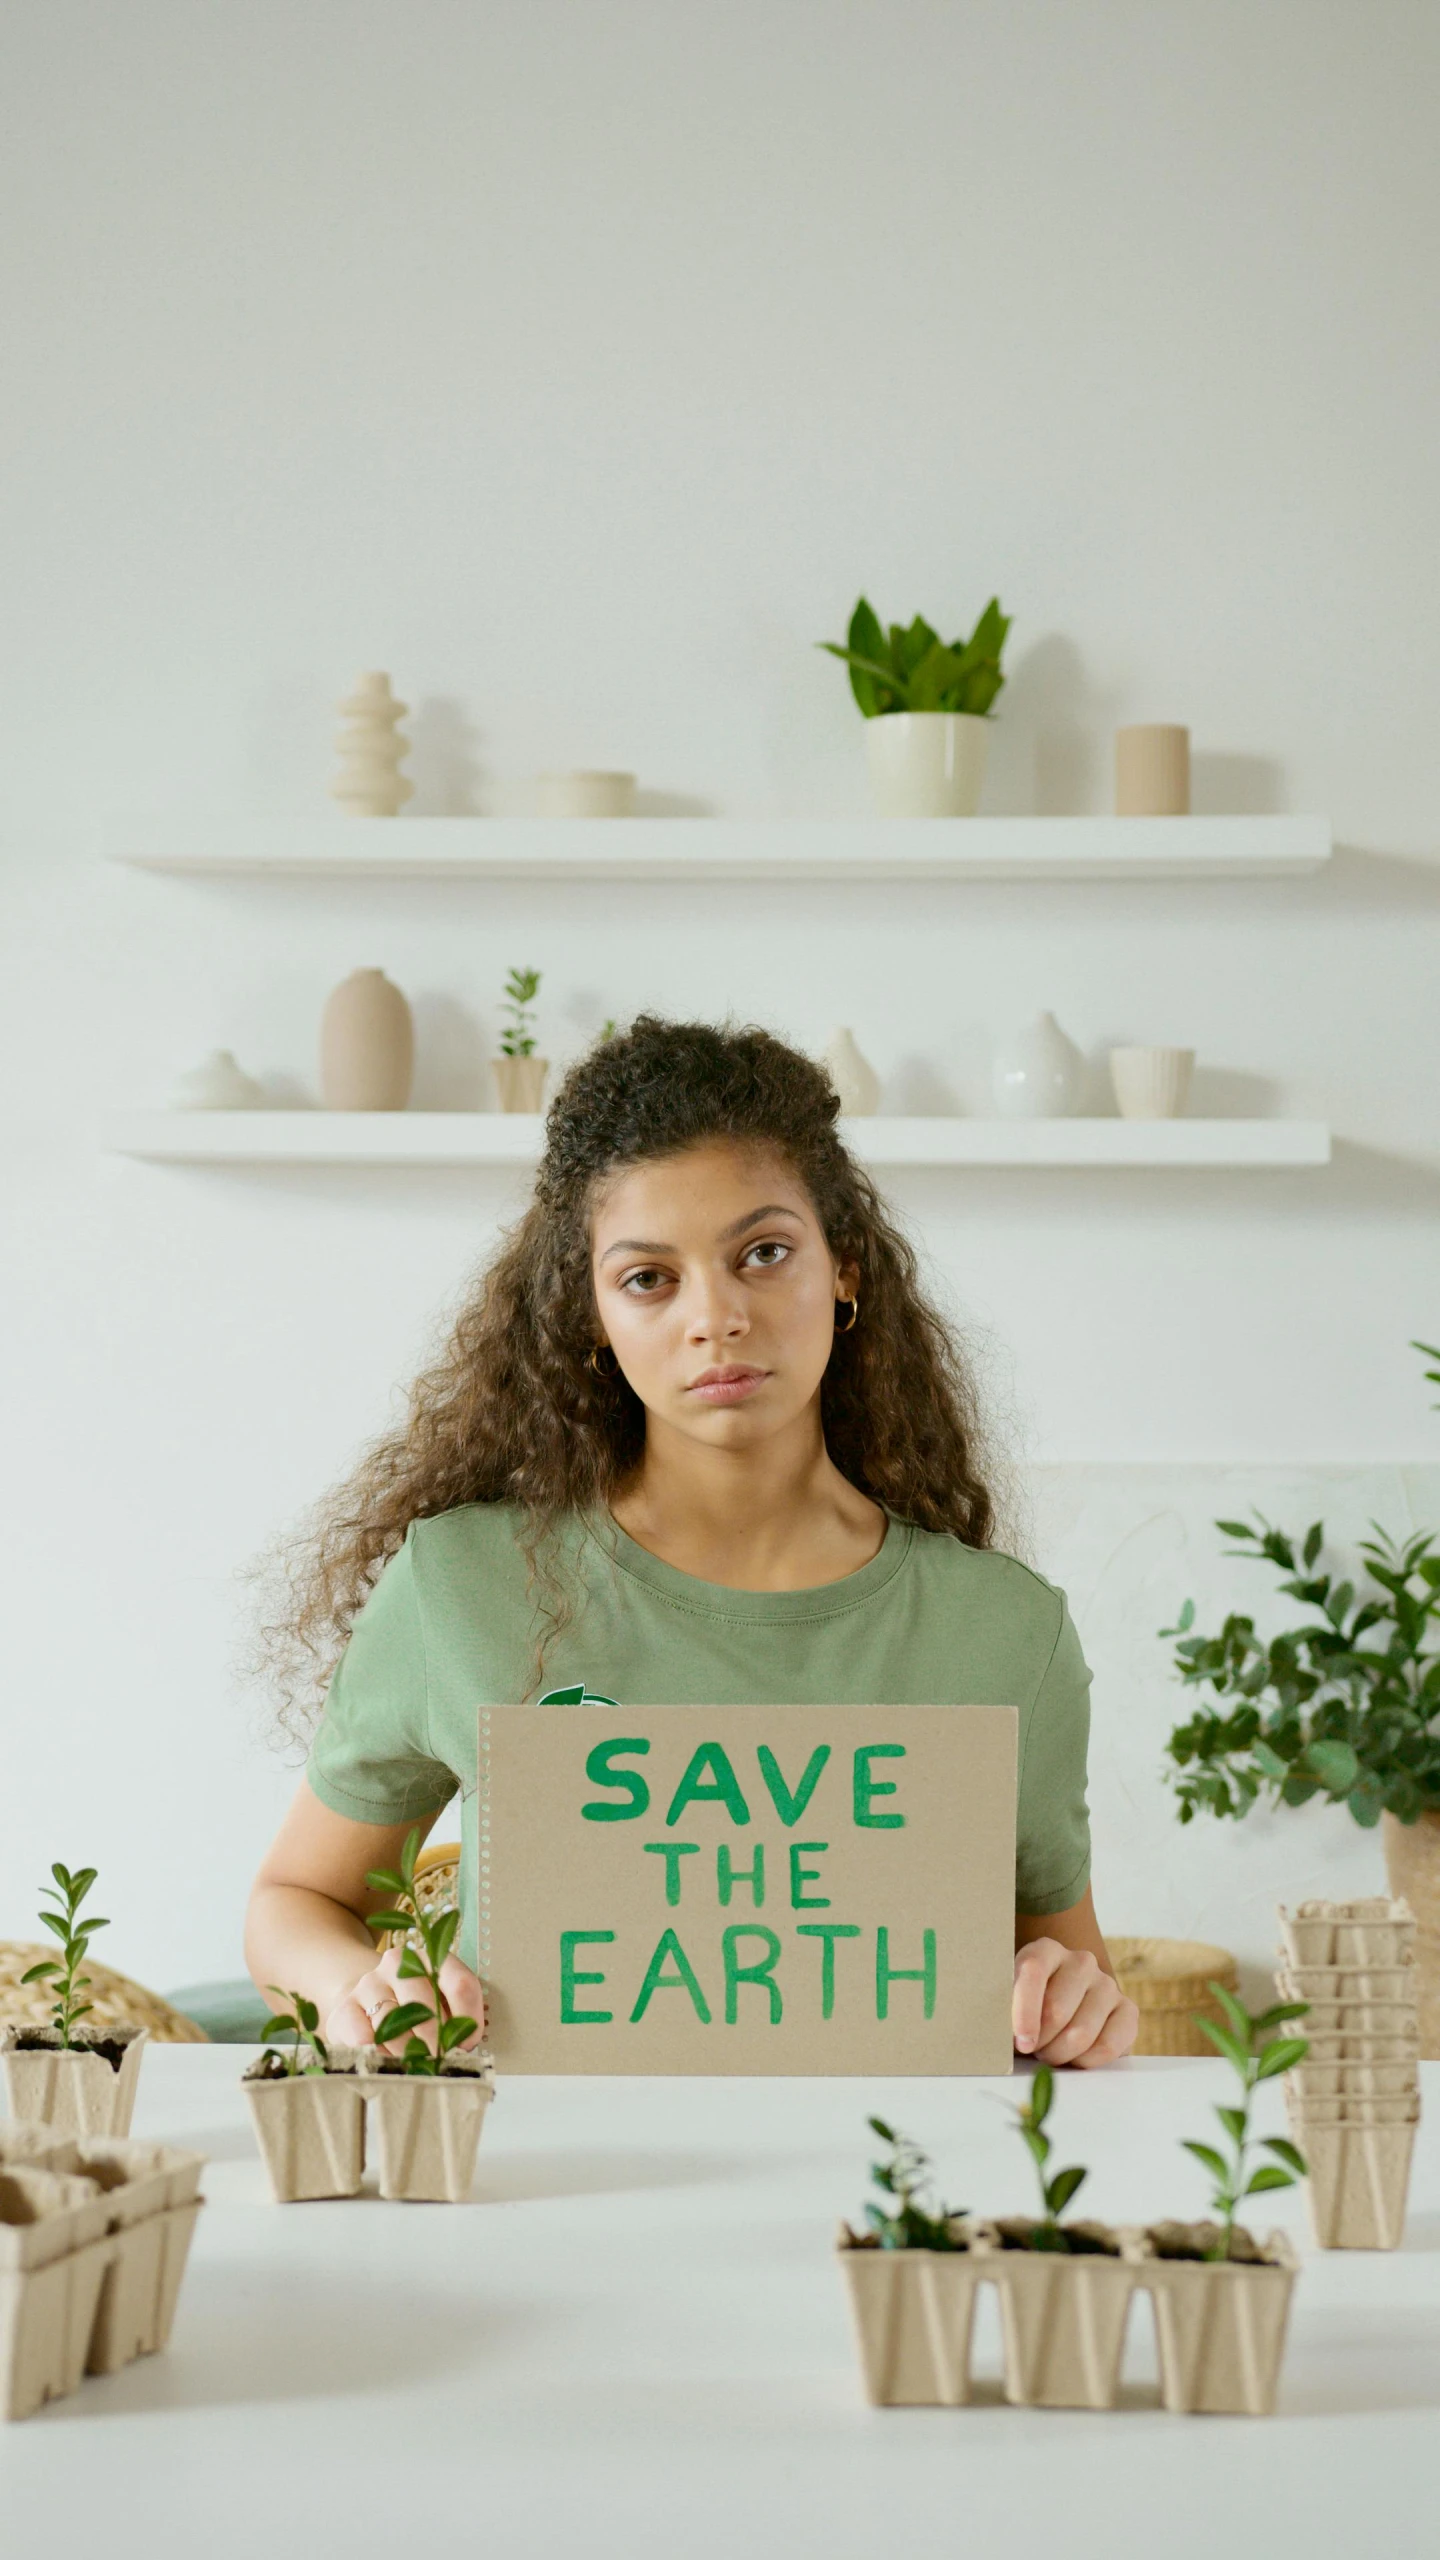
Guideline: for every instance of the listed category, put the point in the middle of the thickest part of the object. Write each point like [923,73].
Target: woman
[698,1438]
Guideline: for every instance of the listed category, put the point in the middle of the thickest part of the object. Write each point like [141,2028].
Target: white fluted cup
[1151,1084]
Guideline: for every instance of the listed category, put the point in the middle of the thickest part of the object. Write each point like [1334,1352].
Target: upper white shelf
[493,1137]
[338,847]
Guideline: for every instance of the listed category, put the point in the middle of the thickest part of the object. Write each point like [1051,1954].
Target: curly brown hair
[512,1412]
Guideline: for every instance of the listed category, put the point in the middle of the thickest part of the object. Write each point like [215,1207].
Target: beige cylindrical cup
[1152,772]
[585,795]
[1151,1084]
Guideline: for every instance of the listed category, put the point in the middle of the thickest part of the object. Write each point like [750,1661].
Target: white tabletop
[634,2341]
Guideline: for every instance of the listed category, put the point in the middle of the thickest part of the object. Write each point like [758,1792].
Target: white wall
[579,365]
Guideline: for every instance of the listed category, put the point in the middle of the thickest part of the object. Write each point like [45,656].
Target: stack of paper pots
[94,2236]
[1354,2102]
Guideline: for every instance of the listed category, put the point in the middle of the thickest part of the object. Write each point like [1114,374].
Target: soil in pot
[85,2087]
[1219,2322]
[913,2312]
[310,2126]
[428,2125]
[1063,2312]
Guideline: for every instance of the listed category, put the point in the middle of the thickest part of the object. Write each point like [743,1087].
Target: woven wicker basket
[1168,1979]
[115,2000]
[437,1882]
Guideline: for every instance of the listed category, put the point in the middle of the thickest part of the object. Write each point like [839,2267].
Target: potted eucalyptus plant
[1342,1707]
[429,2100]
[77,2079]
[307,2107]
[926,704]
[911,2274]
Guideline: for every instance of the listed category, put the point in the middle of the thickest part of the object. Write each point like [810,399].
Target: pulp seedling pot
[1347,2106]
[152,2205]
[428,2129]
[1311,2080]
[54,2253]
[1358,2183]
[1327,1985]
[913,2312]
[86,2087]
[311,2130]
[1219,2324]
[1063,2315]
[1376,1931]
[1328,2046]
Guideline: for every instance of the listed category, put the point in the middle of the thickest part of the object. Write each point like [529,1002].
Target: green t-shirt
[450,1628]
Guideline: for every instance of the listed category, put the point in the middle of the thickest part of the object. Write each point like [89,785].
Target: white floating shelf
[497,1138]
[342,848]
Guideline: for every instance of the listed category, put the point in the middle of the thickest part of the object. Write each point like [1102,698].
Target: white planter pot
[851,1074]
[520,1082]
[1151,1084]
[927,764]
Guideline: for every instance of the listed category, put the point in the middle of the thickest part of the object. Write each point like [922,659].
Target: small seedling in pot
[517,1040]
[1255,2053]
[904,2222]
[1057,2191]
[74,1936]
[303,2022]
[436,1932]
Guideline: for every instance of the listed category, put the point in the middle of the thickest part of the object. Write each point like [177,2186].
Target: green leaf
[397,1920]
[276,2027]
[410,1968]
[1223,2040]
[1239,2017]
[1334,1764]
[1208,2159]
[1314,1541]
[40,1973]
[1264,2179]
[402,2021]
[307,2013]
[1281,2056]
[936,679]
[1287,2152]
[1233,2119]
[1042,2091]
[1284,2010]
[385,1880]
[1234,1529]
[442,1936]
[455,2030]
[1062,2187]
[57,1927]
[878,2125]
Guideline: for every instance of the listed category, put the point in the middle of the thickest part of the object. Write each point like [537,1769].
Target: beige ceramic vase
[367,1045]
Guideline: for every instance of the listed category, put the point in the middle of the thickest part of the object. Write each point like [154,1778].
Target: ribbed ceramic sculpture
[370,783]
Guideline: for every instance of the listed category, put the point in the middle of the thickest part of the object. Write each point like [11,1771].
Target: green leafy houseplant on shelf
[910,668]
[1255,2052]
[1344,1705]
[436,1931]
[517,1040]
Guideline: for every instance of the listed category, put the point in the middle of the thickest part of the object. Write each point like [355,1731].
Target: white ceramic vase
[851,1074]
[1152,771]
[1151,1084]
[217,1084]
[585,795]
[1038,1074]
[927,764]
[370,783]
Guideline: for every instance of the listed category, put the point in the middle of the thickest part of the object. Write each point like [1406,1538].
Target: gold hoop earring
[593,1360]
[854,1306]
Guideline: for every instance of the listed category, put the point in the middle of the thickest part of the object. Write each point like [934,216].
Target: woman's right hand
[358,2011]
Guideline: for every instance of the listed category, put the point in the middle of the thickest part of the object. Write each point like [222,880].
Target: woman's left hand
[1068,2008]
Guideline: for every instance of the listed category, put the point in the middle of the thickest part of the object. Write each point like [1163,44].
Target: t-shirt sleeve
[371,1756]
[1052,1832]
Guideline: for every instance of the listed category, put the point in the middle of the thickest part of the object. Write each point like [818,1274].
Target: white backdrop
[579,365]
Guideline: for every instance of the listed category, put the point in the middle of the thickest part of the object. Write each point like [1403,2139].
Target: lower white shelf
[493,1137]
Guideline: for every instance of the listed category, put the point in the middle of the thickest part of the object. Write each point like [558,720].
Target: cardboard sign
[748,1889]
